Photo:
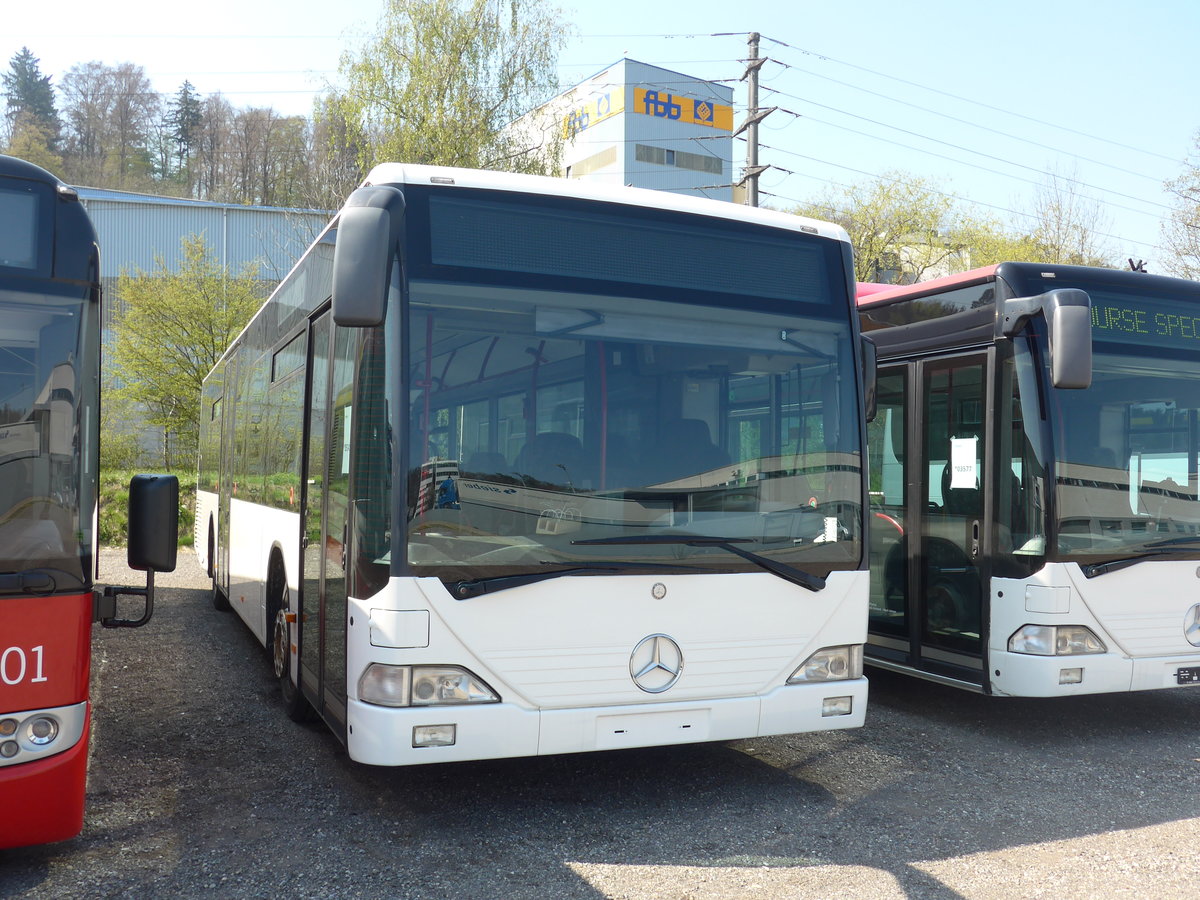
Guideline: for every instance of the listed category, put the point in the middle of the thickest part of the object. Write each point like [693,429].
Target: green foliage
[174,327]
[1181,230]
[441,80]
[904,228]
[184,117]
[114,506]
[900,226]
[33,142]
[30,98]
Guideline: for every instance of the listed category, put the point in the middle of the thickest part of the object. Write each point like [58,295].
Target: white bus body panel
[206,513]
[558,654]
[1139,613]
[254,530]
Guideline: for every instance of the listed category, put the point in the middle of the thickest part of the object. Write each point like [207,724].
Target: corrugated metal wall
[137,230]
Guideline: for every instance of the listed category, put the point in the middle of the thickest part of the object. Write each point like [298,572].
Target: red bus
[49,460]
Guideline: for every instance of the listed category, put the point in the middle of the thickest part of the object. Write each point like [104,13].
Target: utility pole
[754,115]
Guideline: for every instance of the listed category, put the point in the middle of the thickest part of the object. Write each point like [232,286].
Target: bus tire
[278,607]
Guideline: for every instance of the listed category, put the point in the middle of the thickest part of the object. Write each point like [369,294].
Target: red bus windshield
[46,504]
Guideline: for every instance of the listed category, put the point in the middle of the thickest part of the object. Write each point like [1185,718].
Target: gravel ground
[201,787]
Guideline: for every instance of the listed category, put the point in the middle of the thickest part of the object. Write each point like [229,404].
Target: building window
[696,162]
[596,161]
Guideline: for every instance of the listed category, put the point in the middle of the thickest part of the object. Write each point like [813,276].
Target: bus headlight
[443,685]
[1055,640]
[385,685]
[831,664]
[41,731]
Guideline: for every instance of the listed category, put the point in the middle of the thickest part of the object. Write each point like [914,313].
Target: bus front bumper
[1021,675]
[383,736]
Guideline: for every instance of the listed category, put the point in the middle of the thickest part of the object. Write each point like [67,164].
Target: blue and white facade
[641,125]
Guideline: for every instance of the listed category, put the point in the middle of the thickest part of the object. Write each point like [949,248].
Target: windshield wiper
[465,590]
[784,571]
[1158,548]
[1175,542]
[32,581]
[1094,569]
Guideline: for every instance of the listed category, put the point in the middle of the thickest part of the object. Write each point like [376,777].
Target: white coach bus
[512,466]
[1036,520]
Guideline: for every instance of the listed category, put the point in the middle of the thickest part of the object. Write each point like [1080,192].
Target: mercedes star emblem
[1191,626]
[656,663]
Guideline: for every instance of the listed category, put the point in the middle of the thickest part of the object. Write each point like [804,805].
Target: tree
[174,327]
[441,80]
[213,148]
[1069,224]
[33,142]
[185,114]
[110,112]
[30,101]
[903,229]
[1181,229]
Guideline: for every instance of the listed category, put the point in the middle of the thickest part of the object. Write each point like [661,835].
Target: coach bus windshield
[43,532]
[1127,447]
[631,398]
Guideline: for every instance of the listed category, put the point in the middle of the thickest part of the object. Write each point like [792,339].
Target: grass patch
[114,507]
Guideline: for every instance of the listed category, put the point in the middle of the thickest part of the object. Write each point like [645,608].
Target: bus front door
[327,461]
[928,454]
[316,480]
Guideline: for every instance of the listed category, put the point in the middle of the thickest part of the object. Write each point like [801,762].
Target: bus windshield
[1126,479]
[1127,458]
[542,418]
[45,525]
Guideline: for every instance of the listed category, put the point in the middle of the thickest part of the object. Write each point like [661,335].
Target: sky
[982,100]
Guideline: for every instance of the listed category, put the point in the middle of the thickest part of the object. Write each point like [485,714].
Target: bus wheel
[279,600]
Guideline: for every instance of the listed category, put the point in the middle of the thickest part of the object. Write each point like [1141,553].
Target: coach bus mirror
[870,363]
[153,523]
[360,260]
[1068,314]
[1069,317]
[366,233]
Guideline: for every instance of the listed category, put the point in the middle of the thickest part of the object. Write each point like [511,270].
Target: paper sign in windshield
[962,462]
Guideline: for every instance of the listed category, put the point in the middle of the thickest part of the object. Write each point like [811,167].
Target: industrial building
[137,231]
[641,125]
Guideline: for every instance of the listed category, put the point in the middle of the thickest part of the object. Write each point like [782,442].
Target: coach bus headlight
[41,731]
[1055,640]
[385,685]
[831,664]
[8,727]
[441,685]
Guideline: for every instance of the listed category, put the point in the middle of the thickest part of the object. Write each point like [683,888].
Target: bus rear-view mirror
[362,255]
[153,523]
[1068,314]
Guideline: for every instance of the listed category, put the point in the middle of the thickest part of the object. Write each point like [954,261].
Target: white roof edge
[402,173]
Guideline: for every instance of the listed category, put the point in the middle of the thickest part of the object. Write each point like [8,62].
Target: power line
[967,122]
[878,177]
[967,100]
[1084,184]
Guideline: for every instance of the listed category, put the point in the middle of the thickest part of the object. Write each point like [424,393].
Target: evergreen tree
[30,98]
[185,114]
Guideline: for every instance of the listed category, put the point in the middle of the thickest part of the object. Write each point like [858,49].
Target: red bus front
[49,431]
[44,716]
